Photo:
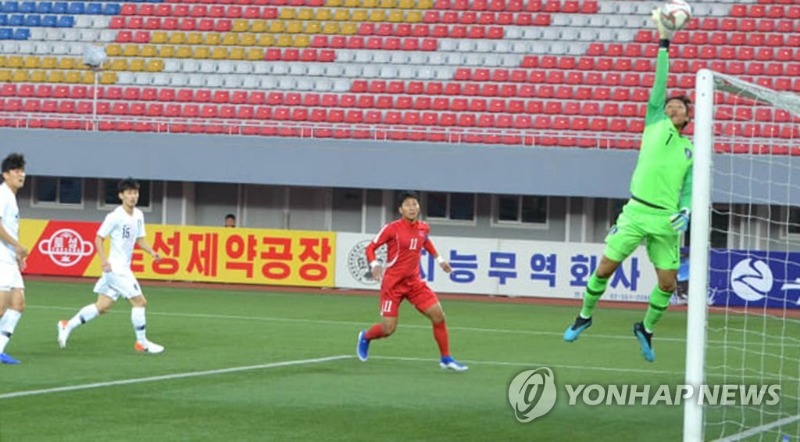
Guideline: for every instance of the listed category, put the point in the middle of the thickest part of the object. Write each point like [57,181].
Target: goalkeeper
[659,207]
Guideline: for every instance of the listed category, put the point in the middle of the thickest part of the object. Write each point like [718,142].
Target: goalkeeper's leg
[594,290]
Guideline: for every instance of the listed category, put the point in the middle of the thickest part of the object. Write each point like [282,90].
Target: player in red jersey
[405,238]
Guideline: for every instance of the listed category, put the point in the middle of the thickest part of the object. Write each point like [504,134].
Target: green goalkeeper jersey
[663,174]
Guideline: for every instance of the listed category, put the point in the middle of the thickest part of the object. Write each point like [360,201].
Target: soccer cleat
[148,347]
[63,333]
[6,359]
[573,331]
[448,363]
[645,341]
[362,347]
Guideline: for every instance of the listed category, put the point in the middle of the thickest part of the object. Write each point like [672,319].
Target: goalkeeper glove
[680,220]
[663,32]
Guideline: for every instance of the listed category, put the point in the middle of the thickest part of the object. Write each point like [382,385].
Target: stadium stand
[533,72]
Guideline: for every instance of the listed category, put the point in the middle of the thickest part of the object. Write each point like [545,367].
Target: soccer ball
[675,14]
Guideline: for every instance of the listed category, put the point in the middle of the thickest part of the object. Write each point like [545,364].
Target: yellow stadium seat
[39,76]
[5,75]
[32,62]
[388,4]
[212,38]
[130,51]
[158,37]
[341,15]
[166,51]
[177,38]
[313,27]
[230,39]
[406,4]
[156,65]
[149,51]
[56,77]
[15,61]
[240,26]
[49,63]
[119,64]
[414,16]
[294,27]
[73,77]
[3,61]
[333,3]
[259,26]
[266,40]
[330,28]
[377,15]
[323,14]
[287,14]
[66,63]
[194,38]
[359,15]
[255,54]
[137,65]
[302,41]
[369,3]
[352,3]
[113,50]
[424,4]
[247,39]
[237,54]
[284,40]
[105,78]
[276,27]
[396,16]
[201,52]
[219,53]
[305,14]
[349,28]
[20,76]
[183,52]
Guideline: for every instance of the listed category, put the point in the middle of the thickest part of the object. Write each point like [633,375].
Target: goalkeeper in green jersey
[659,207]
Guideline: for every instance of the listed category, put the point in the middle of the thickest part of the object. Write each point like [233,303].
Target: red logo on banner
[63,248]
[66,247]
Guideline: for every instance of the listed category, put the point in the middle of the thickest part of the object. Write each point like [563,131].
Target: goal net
[743,333]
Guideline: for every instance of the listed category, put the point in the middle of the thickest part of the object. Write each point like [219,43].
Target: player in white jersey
[12,253]
[125,226]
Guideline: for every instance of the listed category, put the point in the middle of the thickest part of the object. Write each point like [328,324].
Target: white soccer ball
[94,56]
[675,14]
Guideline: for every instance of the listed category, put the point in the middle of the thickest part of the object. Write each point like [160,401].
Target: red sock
[442,339]
[374,332]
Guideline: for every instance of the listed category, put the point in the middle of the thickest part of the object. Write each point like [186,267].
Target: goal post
[744,262]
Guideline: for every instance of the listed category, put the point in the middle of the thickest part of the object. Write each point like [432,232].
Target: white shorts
[115,285]
[10,277]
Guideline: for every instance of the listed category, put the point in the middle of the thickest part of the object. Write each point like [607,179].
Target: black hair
[230,216]
[13,161]
[686,102]
[127,184]
[406,194]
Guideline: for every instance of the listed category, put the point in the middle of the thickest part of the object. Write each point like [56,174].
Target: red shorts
[415,290]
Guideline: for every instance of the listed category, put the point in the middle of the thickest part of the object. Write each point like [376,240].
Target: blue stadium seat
[60,7]
[10,6]
[22,34]
[3,20]
[65,21]
[6,33]
[75,8]
[33,20]
[16,20]
[112,9]
[44,7]
[94,8]
[27,7]
[49,21]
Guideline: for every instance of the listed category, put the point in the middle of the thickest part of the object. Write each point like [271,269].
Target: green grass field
[252,365]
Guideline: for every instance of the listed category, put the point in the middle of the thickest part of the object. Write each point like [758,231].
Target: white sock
[7,325]
[83,316]
[139,324]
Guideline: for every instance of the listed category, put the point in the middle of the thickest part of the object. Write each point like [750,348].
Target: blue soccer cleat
[645,341]
[573,331]
[448,363]
[362,348]
[6,359]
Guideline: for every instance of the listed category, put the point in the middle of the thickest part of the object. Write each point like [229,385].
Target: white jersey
[9,217]
[124,230]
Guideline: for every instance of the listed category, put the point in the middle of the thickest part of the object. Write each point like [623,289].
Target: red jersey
[404,241]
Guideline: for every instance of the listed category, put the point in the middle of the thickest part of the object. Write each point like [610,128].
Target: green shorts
[638,222]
